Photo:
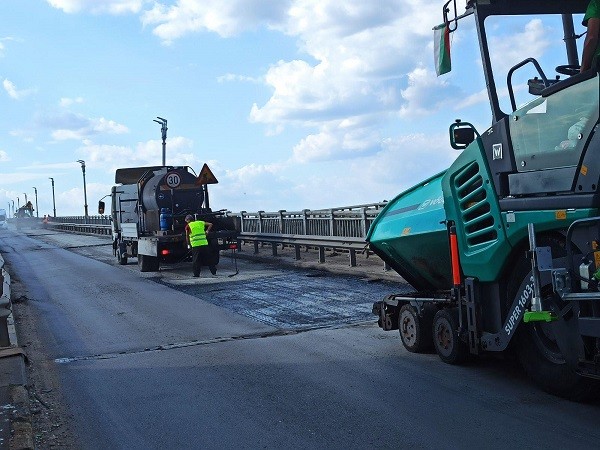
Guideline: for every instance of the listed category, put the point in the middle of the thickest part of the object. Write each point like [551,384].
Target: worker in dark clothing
[591,49]
[195,232]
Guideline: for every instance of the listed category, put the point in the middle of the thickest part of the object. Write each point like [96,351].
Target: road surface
[272,357]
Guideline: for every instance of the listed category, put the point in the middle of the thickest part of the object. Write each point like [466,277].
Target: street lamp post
[13,203]
[163,129]
[85,205]
[37,212]
[25,198]
[53,200]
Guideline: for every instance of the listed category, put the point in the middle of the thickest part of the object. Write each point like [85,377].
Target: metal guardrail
[81,220]
[321,243]
[341,229]
[80,228]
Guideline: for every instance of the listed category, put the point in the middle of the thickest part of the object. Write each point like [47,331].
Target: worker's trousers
[201,257]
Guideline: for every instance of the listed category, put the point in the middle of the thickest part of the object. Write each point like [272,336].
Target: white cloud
[53,166]
[11,178]
[71,202]
[337,141]
[242,78]
[2,46]
[425,93]
[250,187]
[474,99]
[65,102]
[13,92]
[226,18]
[77,127]
[508,49]
[110,157]
[357,51]
[398,164]
[361,57]
[4,156]
[98,6]
[24,135]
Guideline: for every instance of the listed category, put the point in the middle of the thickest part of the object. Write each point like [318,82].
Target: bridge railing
[91,220]
[341,229]
[349,221]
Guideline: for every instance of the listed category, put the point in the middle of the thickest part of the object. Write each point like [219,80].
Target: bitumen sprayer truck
[503,247]
[148,210]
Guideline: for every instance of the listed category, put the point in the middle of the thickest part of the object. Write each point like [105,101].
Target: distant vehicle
[24,217]
[3,223]
[25,211]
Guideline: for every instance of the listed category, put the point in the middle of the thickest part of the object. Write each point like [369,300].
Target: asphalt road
[271,357]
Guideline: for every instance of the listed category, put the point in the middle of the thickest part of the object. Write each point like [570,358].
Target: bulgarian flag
[441,49]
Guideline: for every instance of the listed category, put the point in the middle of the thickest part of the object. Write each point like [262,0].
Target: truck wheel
[415,332]
[122,254]
[148,263]
[448,345]
[536,345]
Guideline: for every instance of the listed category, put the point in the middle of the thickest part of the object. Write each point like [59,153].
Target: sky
[293,104]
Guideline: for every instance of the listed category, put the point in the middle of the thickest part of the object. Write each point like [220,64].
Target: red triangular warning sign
[206,177]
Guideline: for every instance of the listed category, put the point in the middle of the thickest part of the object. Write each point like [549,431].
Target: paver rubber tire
[535,342]
[448,345]
[415,331]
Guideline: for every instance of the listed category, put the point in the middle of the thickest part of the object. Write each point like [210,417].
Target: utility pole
[53,200]
[163,129]
[37,212]
[82,162]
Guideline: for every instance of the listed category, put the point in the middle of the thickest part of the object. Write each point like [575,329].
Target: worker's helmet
[189,218]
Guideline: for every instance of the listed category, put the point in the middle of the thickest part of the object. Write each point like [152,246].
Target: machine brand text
[519,309]
[432,202]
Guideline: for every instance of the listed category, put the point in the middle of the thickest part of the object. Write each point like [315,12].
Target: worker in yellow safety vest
[195,232]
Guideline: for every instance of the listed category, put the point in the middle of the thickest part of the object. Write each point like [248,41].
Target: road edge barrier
[14,392]
[8,335]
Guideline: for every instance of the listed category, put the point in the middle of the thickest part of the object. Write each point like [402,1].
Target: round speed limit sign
[173,180]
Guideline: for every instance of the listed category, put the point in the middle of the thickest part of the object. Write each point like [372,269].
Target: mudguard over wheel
[448,345]
[415,331]
[148,263]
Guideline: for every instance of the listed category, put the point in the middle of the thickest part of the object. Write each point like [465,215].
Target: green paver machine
[503,248]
